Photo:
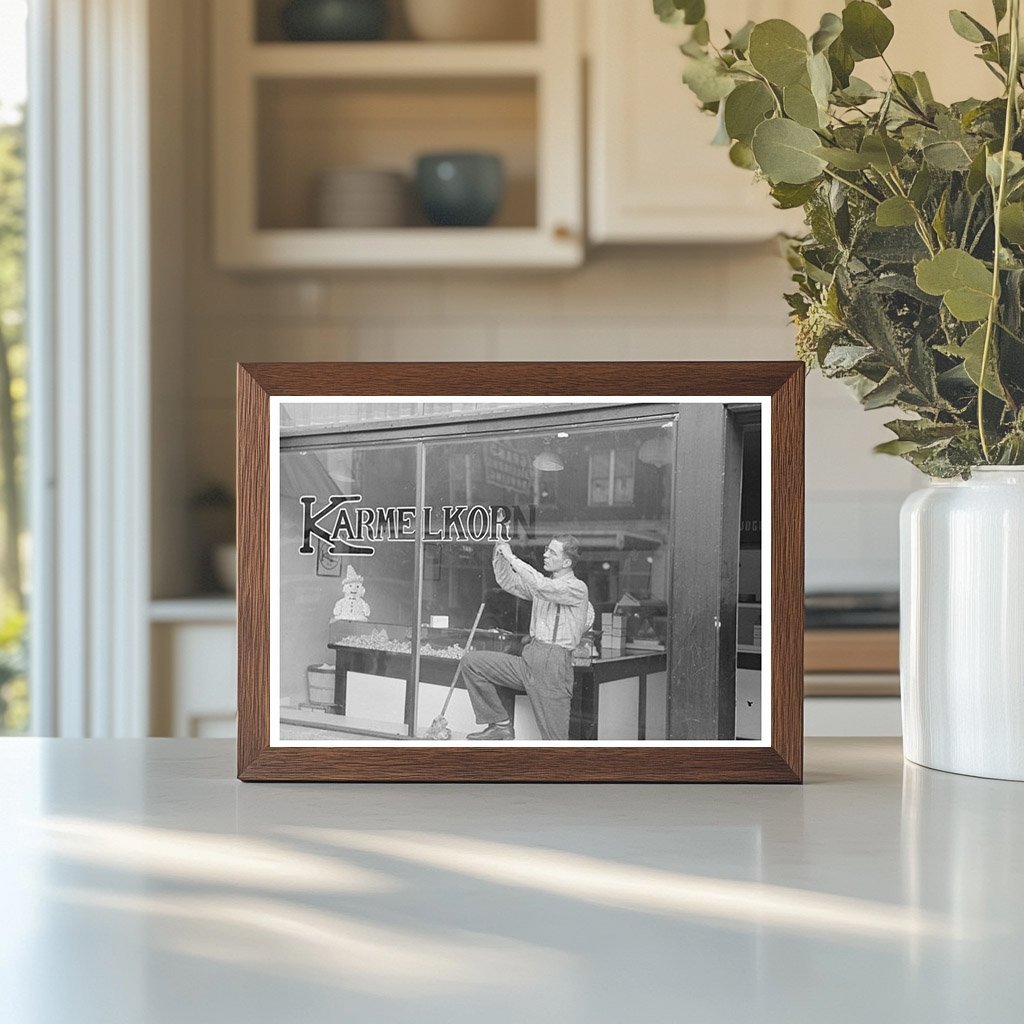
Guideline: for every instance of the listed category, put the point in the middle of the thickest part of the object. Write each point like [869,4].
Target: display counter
[613,698]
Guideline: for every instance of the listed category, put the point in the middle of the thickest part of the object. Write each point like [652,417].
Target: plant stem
[1012,334]
[771,90]
[977,238]
[855,187]
[969,218]
[922,225]
[993,309]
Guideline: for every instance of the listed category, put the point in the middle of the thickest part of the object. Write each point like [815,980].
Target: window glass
[14,547]
[543,484]
[393,565]
[356,607]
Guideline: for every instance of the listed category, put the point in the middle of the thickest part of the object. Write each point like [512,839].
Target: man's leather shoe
[493,732]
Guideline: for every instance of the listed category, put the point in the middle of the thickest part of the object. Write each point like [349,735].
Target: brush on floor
[439,726]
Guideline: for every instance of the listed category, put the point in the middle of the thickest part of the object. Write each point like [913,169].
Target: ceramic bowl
[334,20]
[460,189]
[358,197]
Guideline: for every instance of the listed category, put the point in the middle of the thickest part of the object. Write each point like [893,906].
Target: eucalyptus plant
[910,278]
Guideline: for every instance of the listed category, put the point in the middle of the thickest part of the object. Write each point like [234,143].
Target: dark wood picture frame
[781,760]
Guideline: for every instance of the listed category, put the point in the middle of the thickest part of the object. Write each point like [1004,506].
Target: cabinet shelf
[392,60]
[310,248]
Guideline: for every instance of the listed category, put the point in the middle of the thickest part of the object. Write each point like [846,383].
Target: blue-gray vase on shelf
[332,21]
[461,190]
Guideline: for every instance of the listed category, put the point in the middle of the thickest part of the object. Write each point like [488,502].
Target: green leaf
[721,137]
[895,447]
[976,175]
[830,29]
[994,168]
[866,29]
[789,197]
[694,11]
[820,75]
[701,33]
[778,50]
[742,155]
[939,220]
[841,60]
[923,431]
[739,41]
[708,81]
[676,12]
[971,352]
[885,394]
[999,6]
[844,159]
[745,108]
[921,186]
[968,28]
[785,152]
[896,212]
[800,105]
[1012,223]
[963,281]
[924,88]
[946,156]
[858,91]
[883,153]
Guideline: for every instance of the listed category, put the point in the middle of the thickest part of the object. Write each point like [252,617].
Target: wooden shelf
[400,247]
[852,650]
[393,60]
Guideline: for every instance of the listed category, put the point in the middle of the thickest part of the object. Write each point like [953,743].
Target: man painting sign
[561,614]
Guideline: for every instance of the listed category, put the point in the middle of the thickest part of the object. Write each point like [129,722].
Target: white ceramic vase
[962,624]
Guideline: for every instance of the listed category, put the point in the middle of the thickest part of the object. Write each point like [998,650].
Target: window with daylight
[14,691]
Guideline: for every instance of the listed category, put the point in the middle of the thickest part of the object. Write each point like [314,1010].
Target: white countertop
[143,884]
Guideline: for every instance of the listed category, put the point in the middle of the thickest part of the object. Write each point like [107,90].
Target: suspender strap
[554,635]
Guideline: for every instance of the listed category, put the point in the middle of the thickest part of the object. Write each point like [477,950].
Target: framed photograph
[520,572]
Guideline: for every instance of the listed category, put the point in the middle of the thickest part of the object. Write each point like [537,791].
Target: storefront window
[407,544]
[364,606]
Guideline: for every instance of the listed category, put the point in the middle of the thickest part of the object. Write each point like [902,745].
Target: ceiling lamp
[548,461]
[657,451]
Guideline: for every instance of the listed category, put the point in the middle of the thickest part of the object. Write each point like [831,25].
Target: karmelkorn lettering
[347,528]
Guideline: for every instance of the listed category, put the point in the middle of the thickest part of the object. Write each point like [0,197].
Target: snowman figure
[352,607]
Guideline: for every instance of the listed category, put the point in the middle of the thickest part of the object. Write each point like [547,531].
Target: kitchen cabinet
[193,656]
[286,113]
[653,175]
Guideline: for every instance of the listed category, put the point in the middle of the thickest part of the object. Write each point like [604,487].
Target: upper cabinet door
[653,174]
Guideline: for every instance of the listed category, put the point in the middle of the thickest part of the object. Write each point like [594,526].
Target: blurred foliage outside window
[14,695]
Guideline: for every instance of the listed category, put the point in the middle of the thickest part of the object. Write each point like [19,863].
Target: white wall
[719,302]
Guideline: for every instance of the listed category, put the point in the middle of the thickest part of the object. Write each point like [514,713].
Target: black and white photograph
[528,571]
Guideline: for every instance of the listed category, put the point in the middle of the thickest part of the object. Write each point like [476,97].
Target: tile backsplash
[718,302]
